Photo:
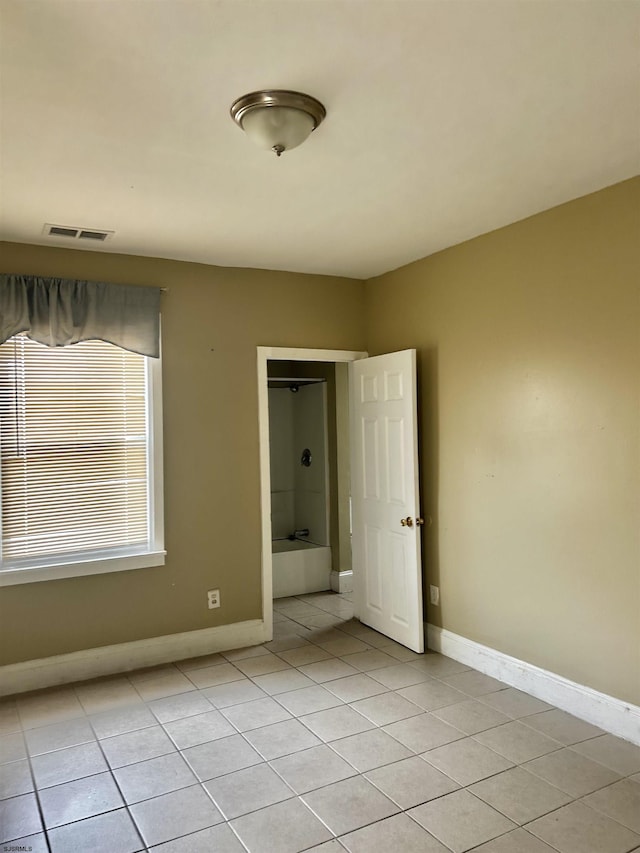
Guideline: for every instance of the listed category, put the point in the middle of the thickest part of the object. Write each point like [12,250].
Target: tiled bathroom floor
[331,737]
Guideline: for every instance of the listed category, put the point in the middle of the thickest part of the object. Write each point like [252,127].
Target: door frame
[265,354]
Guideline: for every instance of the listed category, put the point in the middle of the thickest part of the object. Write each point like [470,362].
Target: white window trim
[55,570]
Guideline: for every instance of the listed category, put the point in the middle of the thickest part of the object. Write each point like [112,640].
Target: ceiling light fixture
[277,119]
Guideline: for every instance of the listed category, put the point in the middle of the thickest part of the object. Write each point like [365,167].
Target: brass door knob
[419,521]
[406,522]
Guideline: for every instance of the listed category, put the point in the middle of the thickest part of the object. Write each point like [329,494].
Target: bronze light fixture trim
[277,119]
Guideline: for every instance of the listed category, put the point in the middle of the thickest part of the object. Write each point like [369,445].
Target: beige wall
[212,321]
[528,342]
[529,358]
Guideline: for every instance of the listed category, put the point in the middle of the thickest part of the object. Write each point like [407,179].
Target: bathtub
[300,567]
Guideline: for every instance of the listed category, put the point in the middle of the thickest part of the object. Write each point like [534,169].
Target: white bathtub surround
[311,483]
[299,494]
[281,462]
[300,567]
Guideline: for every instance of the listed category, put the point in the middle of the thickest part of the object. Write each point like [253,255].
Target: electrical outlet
[213,598]
[434,595]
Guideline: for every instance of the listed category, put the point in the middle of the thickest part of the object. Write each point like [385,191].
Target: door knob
[419,521]
[406,522]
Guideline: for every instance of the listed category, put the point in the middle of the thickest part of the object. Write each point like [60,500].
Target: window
[80,460]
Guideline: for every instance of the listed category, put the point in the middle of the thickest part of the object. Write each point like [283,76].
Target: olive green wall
[212,321]
[528,344]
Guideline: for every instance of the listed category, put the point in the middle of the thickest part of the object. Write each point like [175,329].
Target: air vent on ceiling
[73,233]
[93,235]
[59,231]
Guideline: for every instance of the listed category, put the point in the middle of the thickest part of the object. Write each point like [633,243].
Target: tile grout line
[113,777]
[35,787]
[316,636]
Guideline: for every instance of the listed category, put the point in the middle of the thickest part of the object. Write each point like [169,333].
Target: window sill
[13,576]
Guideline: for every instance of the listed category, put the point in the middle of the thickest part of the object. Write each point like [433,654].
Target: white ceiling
[445,119]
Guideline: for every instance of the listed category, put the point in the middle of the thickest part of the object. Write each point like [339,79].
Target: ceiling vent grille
[72,232]
[59,231]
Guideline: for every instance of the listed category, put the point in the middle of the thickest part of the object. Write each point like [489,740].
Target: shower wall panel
[309,431]
[299,493]
[282,462]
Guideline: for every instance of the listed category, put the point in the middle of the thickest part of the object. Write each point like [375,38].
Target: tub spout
[297,534]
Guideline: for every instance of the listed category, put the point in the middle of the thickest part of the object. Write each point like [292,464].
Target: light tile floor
[329,738]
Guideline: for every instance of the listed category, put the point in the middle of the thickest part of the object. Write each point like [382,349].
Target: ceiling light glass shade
[280,127]
[277,119]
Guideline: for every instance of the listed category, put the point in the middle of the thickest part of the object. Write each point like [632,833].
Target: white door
[387,564]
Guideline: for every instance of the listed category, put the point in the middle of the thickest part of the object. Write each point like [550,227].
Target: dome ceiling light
[277,119]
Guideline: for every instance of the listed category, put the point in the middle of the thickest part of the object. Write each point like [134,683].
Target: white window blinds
[75,452]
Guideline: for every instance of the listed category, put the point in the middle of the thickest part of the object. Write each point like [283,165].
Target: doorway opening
[301,484]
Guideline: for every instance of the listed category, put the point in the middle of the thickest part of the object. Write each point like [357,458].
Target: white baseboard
[342,581]
[124,657]
[611,714]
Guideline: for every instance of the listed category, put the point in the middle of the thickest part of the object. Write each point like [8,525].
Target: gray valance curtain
[58,312]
